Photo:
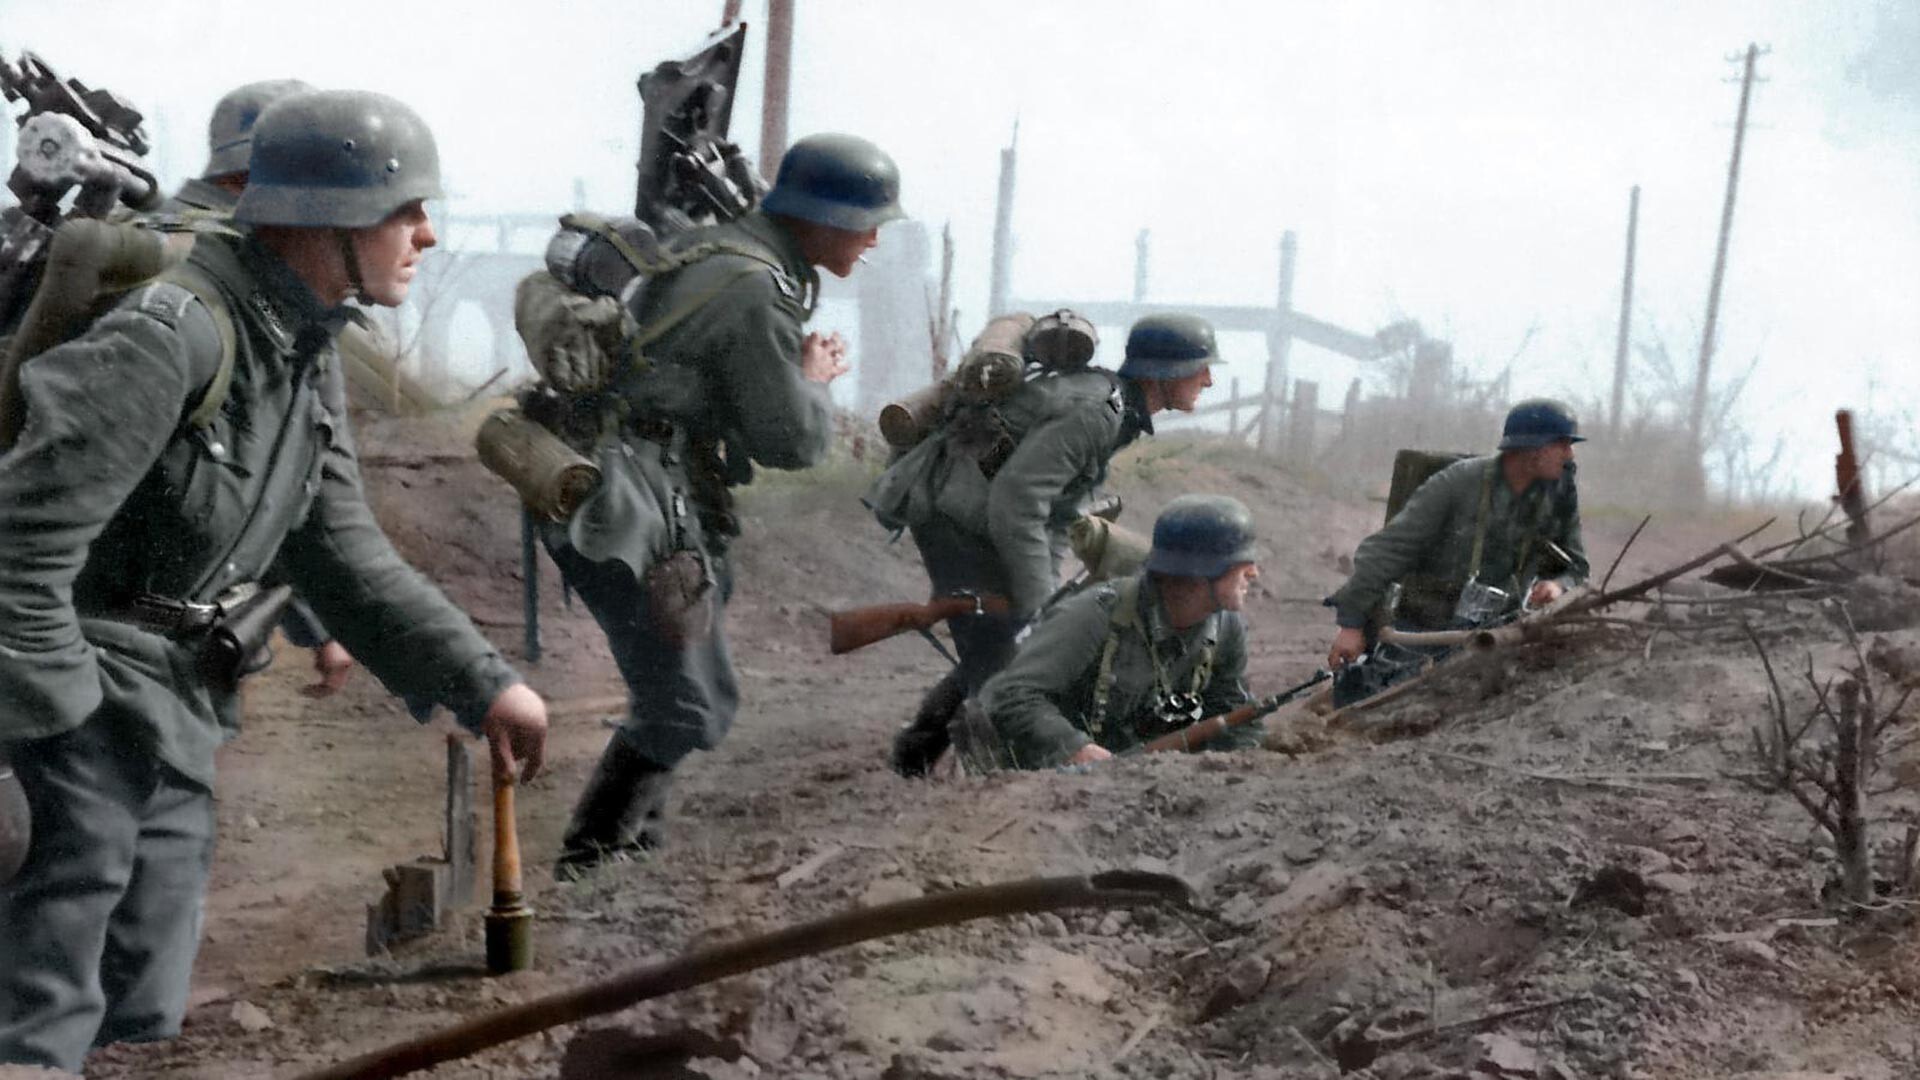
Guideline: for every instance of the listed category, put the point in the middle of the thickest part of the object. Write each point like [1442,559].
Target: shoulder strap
[1480,519]
[1126,615]
[209,295]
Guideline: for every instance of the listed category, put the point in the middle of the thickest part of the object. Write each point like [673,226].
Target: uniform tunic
[1045,705]
[1428,546]
[110,494]
[720,392]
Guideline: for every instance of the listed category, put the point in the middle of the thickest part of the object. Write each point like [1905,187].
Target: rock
[945,1042]
[1273,879]
[889,891]
[1677,831]
[249,1017]
[250,823]
[1244,981]
[1677,884]
[1687,979]
[1756,953]
[1503,1056]
[1646,860]
[1302,850]
[1140,956]
[1051,925]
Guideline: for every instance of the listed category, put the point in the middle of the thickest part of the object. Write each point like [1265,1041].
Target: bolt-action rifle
[857,628]
[1199,734]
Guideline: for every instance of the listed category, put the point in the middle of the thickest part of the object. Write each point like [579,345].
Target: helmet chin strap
[351,259]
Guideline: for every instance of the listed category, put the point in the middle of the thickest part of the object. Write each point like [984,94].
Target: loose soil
[1563,832]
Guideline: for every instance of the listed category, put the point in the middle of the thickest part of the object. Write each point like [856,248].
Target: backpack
[91,265]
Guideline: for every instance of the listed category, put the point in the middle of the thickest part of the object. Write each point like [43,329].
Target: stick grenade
[509,920]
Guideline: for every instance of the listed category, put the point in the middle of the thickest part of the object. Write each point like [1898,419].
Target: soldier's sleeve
[302,626]
[1569,539]
[1227,690]
[1025,700]
[1394,551]
[394,622]
[781,419]
[99,411]
[1020,501]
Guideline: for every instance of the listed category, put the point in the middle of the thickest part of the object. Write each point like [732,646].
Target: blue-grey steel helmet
[230,131]
[1537,422]
[339,158]
[1202,536]
[1169,347]
[842,181]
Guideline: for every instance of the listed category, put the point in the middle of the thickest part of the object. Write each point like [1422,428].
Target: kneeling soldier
[1118,666]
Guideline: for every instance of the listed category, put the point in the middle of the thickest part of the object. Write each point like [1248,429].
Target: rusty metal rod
[1114,888]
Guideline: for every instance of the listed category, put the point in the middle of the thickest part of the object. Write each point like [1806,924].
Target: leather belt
[173,618]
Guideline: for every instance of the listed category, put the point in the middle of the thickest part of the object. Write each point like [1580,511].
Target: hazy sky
[1465,164]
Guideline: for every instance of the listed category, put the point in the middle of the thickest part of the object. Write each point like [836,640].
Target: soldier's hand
[334,665]
[1348,644]
[1089,754]
[1544,593]
[516,731]
[823,359]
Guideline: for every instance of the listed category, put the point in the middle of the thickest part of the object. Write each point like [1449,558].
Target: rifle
[1205,731]
[857,628]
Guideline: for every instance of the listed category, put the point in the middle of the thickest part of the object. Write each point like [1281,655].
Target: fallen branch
[1118,888]
[1570,779]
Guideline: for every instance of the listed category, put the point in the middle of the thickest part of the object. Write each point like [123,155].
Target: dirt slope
[1425,879]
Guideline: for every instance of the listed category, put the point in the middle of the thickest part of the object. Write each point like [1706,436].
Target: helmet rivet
[393,165]
[348,145]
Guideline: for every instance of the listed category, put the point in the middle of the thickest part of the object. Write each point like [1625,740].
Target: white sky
[1463,163]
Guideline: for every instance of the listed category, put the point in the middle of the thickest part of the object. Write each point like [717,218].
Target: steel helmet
[842,181]
[1202,536]
[1537,422]
[1168,347]
[230,131]
[337,158]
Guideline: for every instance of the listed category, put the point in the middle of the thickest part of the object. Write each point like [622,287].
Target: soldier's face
[1550,461]
[1184,393]
[390,253]
[1230,589]
[840,249]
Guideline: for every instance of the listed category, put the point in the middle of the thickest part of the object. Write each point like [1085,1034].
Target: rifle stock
[1205,731]
[857,628]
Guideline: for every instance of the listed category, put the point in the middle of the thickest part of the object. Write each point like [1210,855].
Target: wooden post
[1233,404]
[1140,242]
[1002,268]
[1301,421]
[1279,343]
[773,107]
[1626,320]
[1697,413]
[1348,413]
[530,591]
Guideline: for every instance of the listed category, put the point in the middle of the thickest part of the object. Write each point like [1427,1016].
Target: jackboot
[918,745]
[620,812]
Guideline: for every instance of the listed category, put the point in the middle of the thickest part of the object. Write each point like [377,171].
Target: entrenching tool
[509,921]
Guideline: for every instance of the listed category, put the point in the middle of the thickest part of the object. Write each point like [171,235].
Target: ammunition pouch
[680,597]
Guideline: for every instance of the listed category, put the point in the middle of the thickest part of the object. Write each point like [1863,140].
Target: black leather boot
[918,745]
[619,814]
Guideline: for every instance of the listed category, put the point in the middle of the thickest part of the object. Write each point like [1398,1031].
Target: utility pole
[1003,230]
[1696,416]
[773,108]
[729,13]
[1279,345]
[1626,320]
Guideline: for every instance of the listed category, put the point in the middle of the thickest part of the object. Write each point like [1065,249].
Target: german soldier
[1509,523]
[727,381]
[1126,662]
[1004,536]
[215,192]
[140,529]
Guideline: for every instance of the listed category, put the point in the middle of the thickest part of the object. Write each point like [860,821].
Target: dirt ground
[1442,872]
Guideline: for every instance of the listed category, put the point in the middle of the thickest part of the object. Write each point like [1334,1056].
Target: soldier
[728,381]
[213,193]
[137,530]
[1129,661]
[1004,536]
[1485,522]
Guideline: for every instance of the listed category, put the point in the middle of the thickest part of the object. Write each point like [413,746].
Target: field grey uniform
[1428,546]
[1052,699]
[110,496]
